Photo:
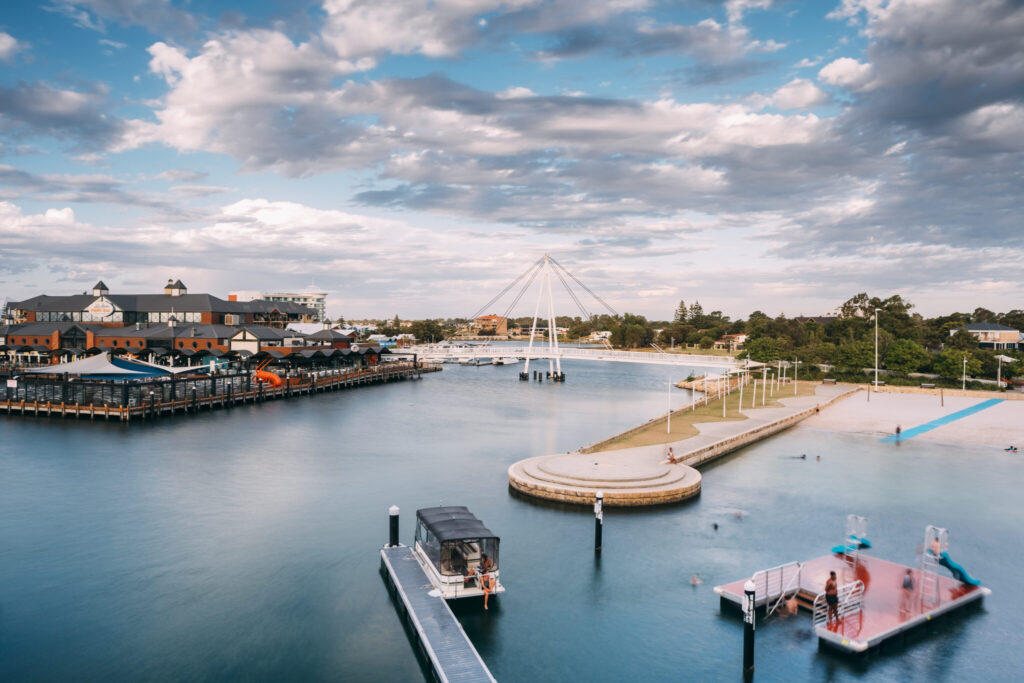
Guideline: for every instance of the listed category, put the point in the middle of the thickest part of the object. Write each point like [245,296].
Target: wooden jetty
[209,393]
[872,608]
[433,626]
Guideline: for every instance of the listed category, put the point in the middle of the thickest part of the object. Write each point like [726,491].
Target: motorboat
[505,360]
[455,550]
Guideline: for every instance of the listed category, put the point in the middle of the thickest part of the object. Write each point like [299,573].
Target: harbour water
[242,544]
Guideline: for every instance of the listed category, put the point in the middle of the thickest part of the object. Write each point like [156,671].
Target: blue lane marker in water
[952,417]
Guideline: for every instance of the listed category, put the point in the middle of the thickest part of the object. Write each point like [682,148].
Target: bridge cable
[522,291]
[505,291]
[589,291]
[572,294]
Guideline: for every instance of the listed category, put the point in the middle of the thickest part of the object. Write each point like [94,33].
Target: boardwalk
[435,628]
[207,393]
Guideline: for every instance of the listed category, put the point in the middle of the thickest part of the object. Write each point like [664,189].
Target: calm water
[242,545]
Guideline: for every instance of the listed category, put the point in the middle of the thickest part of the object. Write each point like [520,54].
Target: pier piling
[598,520]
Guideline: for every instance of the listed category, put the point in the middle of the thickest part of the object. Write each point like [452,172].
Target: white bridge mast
[554,361]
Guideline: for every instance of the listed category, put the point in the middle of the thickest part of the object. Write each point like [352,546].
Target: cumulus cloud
[799,93]
[38,109]
[9,47]
[848,73]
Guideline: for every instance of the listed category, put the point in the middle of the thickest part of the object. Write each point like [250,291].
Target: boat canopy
[453,523]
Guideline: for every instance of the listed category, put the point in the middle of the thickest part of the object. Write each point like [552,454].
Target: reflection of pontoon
[450,544]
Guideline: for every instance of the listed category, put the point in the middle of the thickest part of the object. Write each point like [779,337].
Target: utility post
[877,311]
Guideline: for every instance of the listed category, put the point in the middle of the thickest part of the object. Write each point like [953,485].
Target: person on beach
[898,430]
[487,586]
[908,592]
[832,600]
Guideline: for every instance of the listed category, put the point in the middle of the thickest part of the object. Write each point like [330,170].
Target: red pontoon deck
[868,616]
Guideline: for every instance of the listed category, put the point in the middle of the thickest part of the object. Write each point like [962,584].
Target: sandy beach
[999,425]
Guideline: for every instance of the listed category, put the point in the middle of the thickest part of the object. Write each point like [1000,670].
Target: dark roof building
[129,309]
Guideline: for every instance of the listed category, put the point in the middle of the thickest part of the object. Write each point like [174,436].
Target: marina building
[317,301]
[117,310]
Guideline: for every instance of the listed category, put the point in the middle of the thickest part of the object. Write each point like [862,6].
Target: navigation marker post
[598,520]
[748,629]
[393,526]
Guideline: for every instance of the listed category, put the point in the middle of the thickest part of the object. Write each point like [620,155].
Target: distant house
[491,324]
[731,342]
[992,336]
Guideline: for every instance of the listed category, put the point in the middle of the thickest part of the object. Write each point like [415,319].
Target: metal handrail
[851,601]
[775,582]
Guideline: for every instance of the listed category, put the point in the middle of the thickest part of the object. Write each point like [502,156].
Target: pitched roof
[161,303]
[987,327]
[100,285]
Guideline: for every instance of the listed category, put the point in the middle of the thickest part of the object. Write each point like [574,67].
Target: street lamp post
[877,310]
[963,384]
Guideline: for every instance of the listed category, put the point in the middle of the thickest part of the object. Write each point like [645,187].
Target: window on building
[195,345]
[209,345]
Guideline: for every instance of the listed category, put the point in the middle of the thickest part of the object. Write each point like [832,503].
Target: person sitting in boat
[1010,449]
[486,563]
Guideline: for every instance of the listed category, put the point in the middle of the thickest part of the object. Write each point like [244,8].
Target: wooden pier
[228,396]
[433,626]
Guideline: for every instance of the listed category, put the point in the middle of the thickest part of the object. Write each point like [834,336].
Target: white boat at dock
[504,360]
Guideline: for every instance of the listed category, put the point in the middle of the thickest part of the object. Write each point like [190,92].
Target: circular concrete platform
[625,480]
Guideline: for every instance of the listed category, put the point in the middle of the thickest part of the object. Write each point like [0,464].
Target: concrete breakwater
[632,477]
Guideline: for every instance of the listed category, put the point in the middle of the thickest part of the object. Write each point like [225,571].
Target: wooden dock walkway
[435,629]
[228,397]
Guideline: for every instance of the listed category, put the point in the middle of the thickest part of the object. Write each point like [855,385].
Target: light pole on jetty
[877,311]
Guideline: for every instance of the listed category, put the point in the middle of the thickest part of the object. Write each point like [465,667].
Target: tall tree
[681,312]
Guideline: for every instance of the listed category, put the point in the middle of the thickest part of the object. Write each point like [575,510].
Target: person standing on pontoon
[832,600]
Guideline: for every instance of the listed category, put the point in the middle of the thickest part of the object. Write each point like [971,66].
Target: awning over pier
[103,366]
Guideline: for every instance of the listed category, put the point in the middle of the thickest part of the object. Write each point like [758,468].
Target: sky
[412,157]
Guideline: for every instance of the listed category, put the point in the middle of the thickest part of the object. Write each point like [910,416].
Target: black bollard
[393,524]
[598,520]
[748,628]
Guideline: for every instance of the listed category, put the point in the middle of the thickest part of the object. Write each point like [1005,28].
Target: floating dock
[435,629]
[872,606]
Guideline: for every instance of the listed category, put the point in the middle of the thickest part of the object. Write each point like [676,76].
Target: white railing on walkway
[538,352]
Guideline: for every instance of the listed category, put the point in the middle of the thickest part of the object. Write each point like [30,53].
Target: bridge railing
[544,351]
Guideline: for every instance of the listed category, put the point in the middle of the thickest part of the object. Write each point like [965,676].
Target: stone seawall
[970,393]
[720,448]
[634,477]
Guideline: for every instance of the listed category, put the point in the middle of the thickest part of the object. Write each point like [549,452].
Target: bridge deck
[445,643]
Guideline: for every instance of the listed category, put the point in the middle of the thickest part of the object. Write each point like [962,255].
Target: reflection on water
[243,544]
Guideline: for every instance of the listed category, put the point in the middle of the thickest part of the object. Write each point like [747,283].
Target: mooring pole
[598,520]
[393,526]
[748,628]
